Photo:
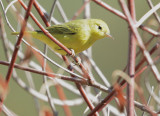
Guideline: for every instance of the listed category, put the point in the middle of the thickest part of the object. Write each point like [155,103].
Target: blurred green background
[108,54]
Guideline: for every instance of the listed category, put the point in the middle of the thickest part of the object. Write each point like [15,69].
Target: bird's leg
[72,52]
[74,55]
[78,58]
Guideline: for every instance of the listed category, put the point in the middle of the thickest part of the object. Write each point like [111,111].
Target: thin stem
[80,88]
[131,63]
[60,8]
[52,10]
[83,81]
[14,56]
[32,85]
[41,13]
[140,42]
[80,10]
[149,99]
[87,9]
[8,112]
[98,71]
[72,102]
[112,94]
[148,14]
[55,113]
[155,13]
[110,8]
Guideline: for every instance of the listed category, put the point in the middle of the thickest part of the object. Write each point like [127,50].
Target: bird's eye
[99,27]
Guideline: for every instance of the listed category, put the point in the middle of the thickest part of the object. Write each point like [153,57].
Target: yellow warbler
[77,34]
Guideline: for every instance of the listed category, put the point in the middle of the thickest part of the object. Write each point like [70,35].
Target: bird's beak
[110,36]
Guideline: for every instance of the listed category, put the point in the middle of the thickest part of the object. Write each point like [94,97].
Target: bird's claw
[72,52]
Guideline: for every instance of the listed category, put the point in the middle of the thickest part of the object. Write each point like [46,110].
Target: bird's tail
[15,33]
[32,33]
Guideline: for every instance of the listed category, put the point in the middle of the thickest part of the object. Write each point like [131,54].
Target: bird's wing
[62,29]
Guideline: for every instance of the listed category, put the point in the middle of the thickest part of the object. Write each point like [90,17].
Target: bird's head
[99,29]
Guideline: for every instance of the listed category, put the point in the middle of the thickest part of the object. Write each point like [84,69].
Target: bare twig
[98,71]
[45,73]
[148,14]
[60,8]
[14,56]
[10,69]
[47,88]
[149,88]
[112,94]
[8,112]
[131,62]
[140,42]
[52,10]
[149,99]
[155,13]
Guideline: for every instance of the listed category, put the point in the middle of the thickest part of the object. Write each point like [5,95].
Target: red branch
[106,6]
[41,14]
[131,62]
[14,56]
[139,41]
[82,81]
[80,88]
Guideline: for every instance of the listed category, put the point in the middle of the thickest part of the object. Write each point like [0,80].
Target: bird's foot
[72,52]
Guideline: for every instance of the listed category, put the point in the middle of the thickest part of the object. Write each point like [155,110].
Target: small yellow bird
[78,35]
